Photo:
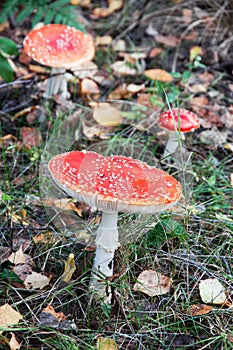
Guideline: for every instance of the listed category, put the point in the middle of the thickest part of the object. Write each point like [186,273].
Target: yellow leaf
[212,291]
[106,344]
[194,52]
[8,316]
[158,74]
[106,115]
[152,283]
[70,267]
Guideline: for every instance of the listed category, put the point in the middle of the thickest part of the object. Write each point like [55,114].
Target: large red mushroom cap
[114,183]
[58,45]
[182,120]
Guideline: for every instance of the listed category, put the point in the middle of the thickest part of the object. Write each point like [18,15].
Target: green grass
[189,244]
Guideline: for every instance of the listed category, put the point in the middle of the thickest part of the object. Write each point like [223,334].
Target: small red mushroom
[112,184]
[60,47]
[177,121]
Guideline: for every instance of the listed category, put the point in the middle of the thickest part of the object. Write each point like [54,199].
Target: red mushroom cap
[58,45]
[114,183]
[179,119]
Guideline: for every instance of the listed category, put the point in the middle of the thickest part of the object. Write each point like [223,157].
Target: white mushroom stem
[57,84]
[106,244]
[173,141]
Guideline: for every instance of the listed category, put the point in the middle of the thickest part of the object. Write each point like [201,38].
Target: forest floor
[189,247]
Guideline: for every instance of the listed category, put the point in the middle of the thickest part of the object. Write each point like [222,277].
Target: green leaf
[24,14]
[8,47]
[57,4]
[49,16]
[6,71]
[10,276]
[164,230]
[38,16]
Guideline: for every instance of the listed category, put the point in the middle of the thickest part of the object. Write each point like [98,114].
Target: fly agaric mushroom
[112,184]
[177,121]
[60,47]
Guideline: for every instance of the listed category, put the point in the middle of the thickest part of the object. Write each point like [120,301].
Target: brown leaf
[89,89]
[199,309]
[81,3]
[31,137]
[152,283]
[170,40]
[155,52]
[199,105]
[46,238]
[8,316]
[187,15]
[158,74]
[60,316]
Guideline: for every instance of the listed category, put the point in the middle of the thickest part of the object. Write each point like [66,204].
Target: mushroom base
[174,140]
[106,244]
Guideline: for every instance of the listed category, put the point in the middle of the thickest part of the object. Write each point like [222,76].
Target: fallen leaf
[106,344]
[194,52]
[4,25]
[81,3]
[199,309]
[155,52]
[60,316]
[187,15]
[199,105]
[170,40]
[46,238]
[36,281]
[206,77]
[104,40]
[89,89]
[135,88]
[8,316]
[115,5]
[18,257]
[91,132]
[37,69]
[87,70]
[158,74]
[22,271]
[107,115]
[31,137]
[119,93]
[212,291]
[231,178]
[14,344]
[70,267]
[122,68]
[152,283]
